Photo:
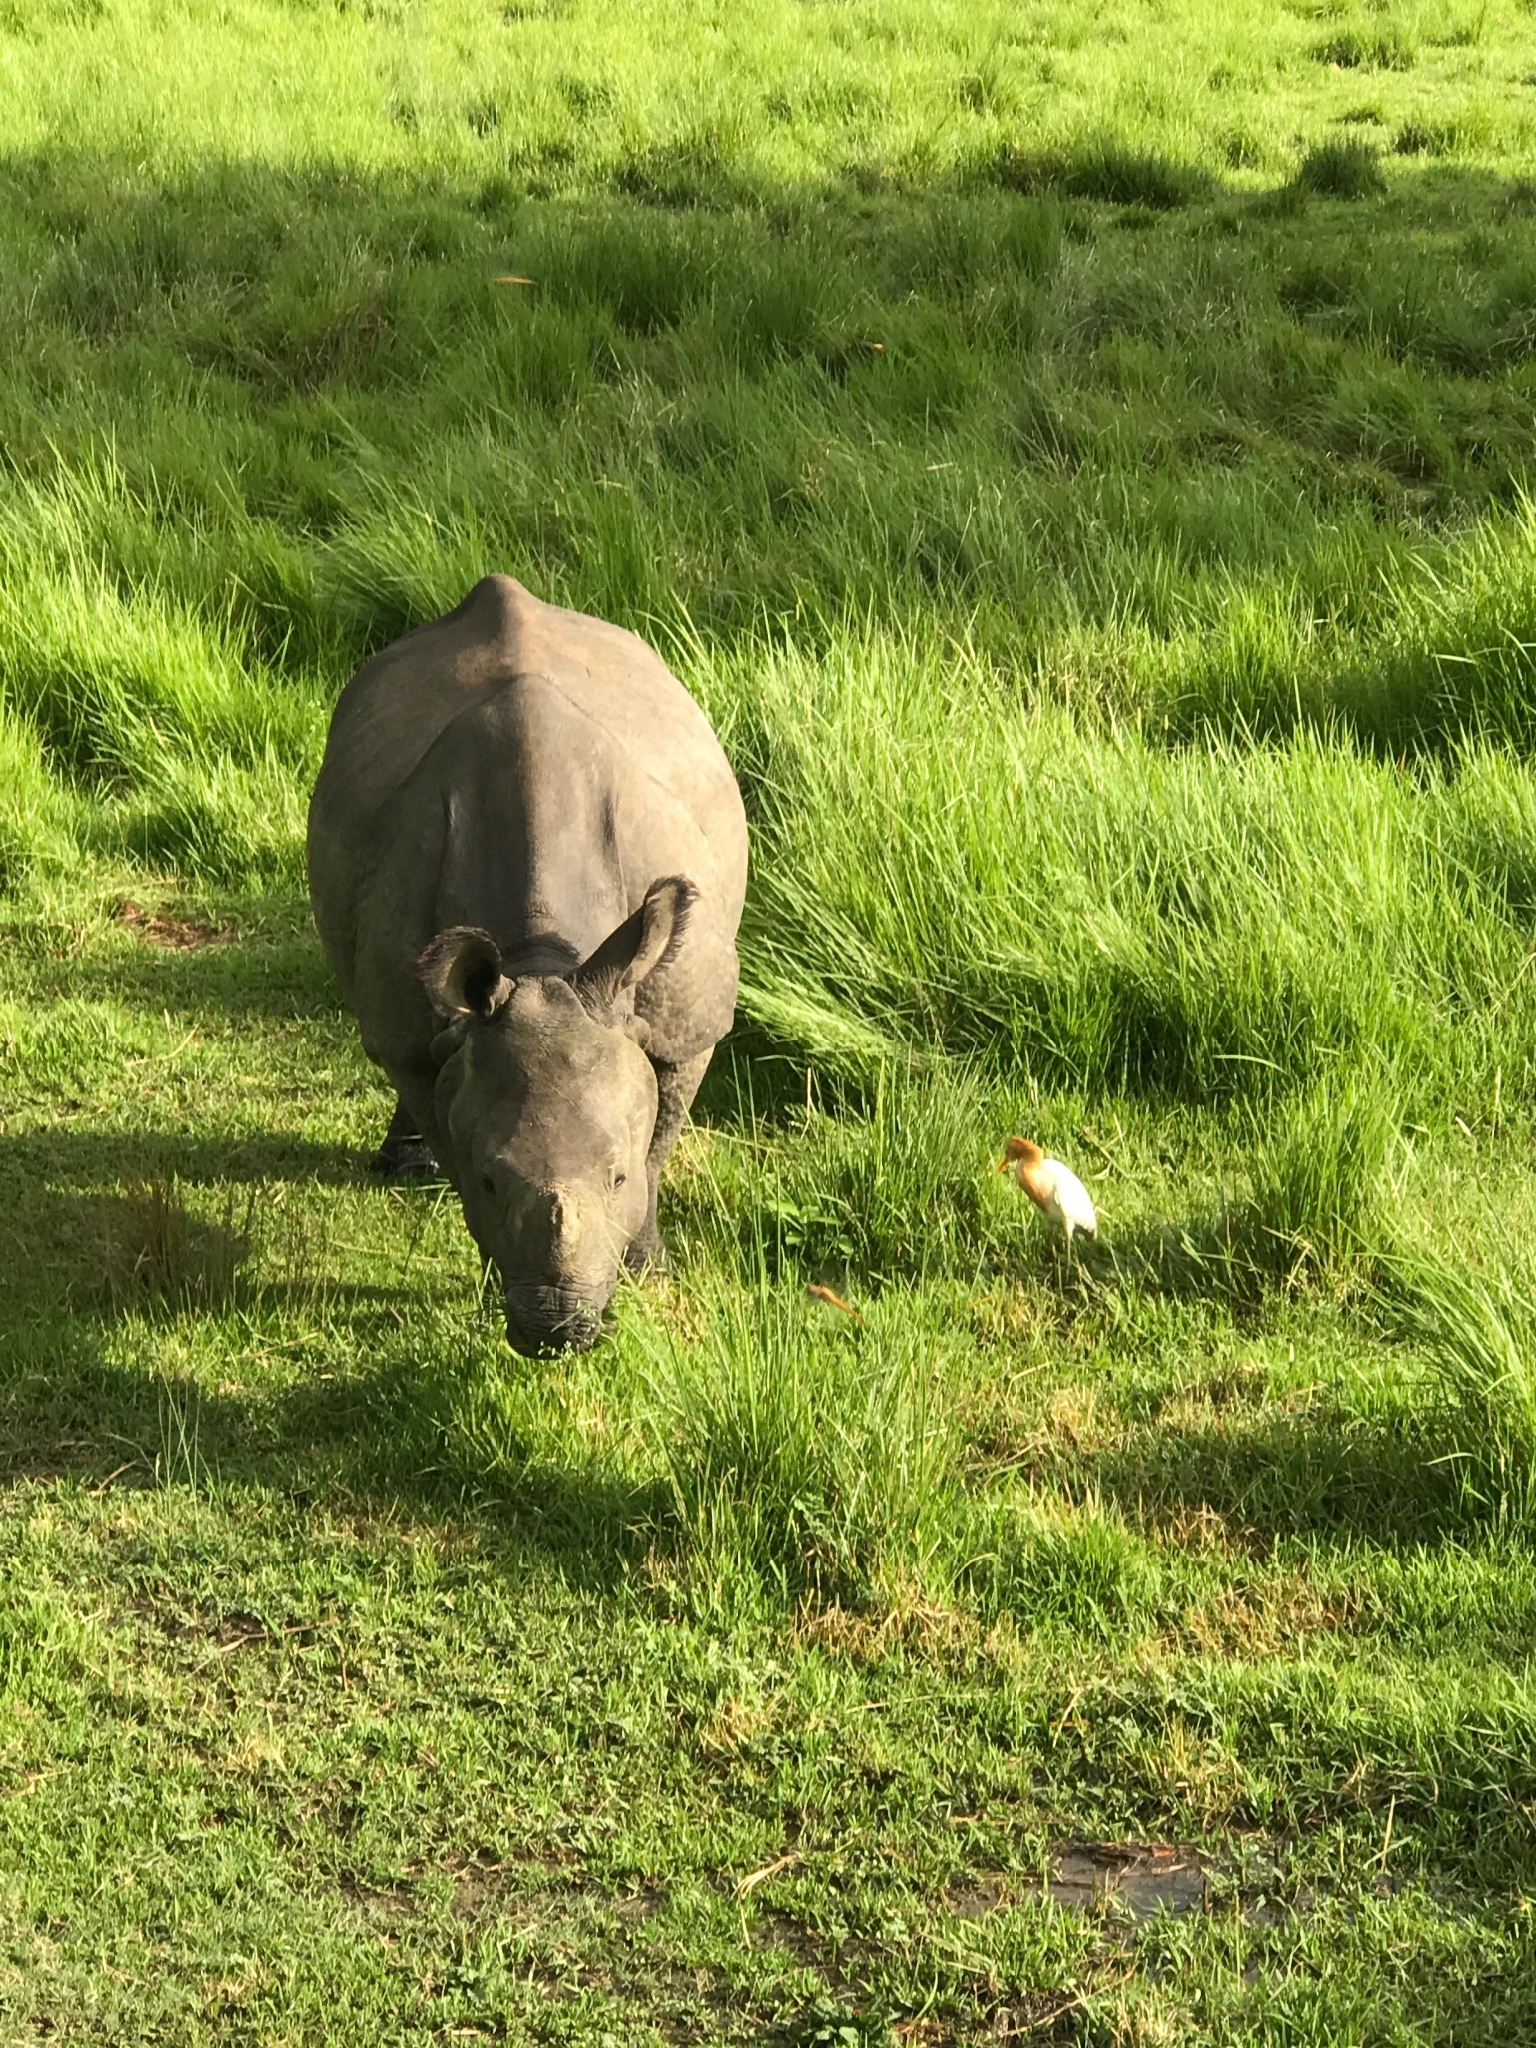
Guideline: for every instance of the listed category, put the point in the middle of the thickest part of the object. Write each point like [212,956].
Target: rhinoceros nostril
[574,1333]
[544,1320]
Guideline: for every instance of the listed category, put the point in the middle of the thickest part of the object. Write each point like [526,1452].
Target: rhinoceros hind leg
[405,1153]
[676,1087]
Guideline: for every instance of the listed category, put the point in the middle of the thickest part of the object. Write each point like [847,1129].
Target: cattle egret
[1053,1188]
[817,1292]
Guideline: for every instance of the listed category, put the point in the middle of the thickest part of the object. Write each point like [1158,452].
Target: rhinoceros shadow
[106,1271]
[85,1391]
[67,1411]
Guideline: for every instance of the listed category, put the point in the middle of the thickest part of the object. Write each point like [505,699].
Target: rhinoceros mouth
[542,1321]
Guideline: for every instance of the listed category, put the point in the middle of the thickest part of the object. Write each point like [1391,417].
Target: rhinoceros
[527,860]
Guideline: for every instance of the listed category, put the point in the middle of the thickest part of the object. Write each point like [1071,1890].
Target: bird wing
[1073,1198]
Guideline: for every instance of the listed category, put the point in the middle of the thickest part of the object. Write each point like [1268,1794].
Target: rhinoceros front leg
[676,1087]
[405,1153]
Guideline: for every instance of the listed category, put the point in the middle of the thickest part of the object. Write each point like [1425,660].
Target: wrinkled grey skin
[527,859]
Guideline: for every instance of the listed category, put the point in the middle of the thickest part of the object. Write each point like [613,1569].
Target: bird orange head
[1021,1152]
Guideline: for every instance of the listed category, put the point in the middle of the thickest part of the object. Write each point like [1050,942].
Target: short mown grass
[1082,464]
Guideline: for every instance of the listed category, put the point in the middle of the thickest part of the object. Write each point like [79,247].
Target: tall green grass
[943,869]
[1320,1167]
[1081,460]
[1476,1320]
[822,1456]
[1094,516]
[996,341]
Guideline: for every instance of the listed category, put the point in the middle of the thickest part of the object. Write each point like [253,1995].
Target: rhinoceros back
[515,711]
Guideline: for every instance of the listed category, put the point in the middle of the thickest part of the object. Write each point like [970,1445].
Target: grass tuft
[818,1459]
[1476,1324]
[1424,138]
[1340,168]
[1106,169]
[157,1252]
[1320,1162]
[1387,48]
[832,2023]
[1082,1573]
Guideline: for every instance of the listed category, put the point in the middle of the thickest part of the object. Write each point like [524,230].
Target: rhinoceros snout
[542,1321]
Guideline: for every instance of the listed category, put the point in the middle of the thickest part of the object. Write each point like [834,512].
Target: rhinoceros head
[546,1103]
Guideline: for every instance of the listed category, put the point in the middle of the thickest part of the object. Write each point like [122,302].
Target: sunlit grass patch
[1079,463]
[1081,1572]
[1321,1173]
[819,1456]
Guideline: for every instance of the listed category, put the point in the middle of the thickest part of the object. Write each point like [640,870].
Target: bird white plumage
[1054,1189]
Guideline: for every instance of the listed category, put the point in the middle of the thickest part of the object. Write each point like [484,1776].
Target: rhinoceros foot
[647,1254]
[405,1153]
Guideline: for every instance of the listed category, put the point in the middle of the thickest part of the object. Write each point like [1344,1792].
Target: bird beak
[1004,1163]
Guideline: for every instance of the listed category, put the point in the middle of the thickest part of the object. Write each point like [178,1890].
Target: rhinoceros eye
[619,1179]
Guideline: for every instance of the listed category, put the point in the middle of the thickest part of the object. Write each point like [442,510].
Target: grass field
[1079,457]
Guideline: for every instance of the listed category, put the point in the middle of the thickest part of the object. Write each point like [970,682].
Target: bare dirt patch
[1143,1878]
[162,928]
[981,1894]
[1138,1878]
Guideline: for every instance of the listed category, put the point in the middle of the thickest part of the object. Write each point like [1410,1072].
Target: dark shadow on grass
[96,1231]
[1322,1468]
[146,1253]
[258,976]
[72,1160]
[1215,1255]
[1220,1255]
[100,1225]
[1272,1476]
[1104,169]
[753,1079]
[390,1433]
[376,1441]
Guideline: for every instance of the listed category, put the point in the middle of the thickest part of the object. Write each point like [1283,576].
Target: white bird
[1054,1189]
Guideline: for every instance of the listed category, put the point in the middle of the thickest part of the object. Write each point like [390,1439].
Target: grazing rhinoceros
[527,858]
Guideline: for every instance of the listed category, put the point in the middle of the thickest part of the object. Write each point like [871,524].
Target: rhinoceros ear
[639,945]
[461,973]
